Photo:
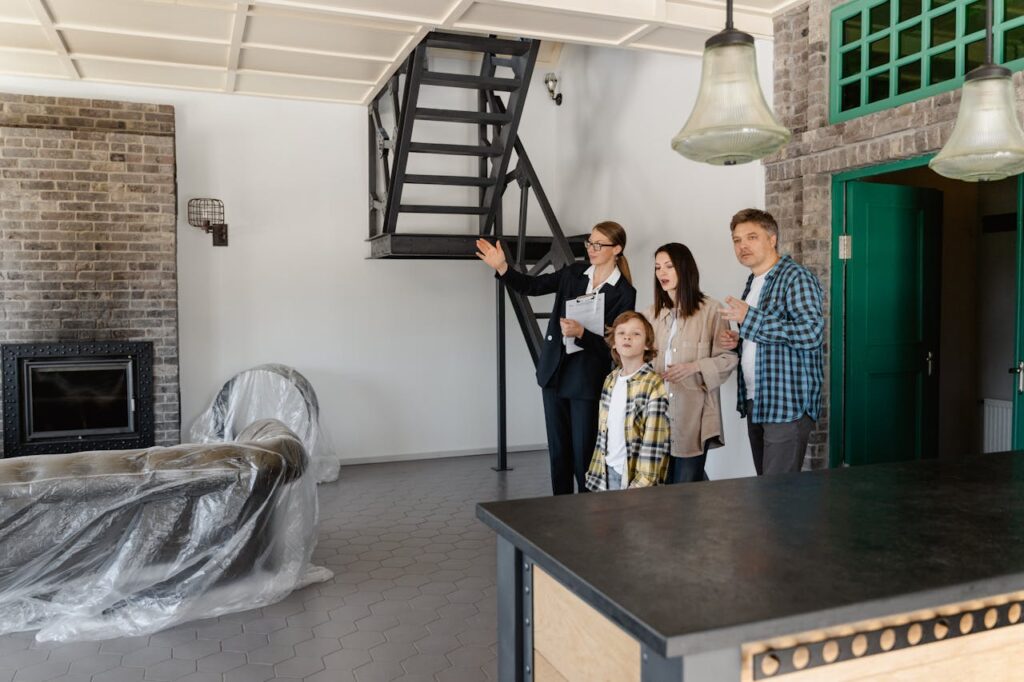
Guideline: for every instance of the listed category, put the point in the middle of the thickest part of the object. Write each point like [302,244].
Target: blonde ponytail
[623,265]
[616,234]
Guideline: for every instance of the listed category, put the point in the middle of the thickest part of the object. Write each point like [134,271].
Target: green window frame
[889,52]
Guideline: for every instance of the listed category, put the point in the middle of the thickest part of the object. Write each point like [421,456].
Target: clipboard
[588,310]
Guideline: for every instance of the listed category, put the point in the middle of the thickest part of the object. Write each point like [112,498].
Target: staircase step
[458,246]
[467,43]
[459,80]
[461,180]
[459,149]
[458,116]
[452,210]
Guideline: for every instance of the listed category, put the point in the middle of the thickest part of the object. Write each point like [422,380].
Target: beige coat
[695,404]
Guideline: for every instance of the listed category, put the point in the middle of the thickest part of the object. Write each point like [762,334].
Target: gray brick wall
[798,178]
[87,225]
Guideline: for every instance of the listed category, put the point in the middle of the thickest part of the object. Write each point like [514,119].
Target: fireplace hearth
[66,397]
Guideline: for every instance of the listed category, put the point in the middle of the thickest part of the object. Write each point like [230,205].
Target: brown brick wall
[798,178]
[87,225]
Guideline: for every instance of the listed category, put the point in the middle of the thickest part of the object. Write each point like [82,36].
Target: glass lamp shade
[987,141]
[731,122]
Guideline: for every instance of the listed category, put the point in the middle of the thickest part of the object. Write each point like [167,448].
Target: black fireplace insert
[65,397]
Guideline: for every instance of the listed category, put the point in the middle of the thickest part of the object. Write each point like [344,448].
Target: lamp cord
[988,32]
[728,13]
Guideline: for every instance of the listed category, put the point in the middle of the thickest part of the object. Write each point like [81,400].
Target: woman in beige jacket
[687,326]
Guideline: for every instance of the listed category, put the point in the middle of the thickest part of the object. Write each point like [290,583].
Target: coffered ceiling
[332,50]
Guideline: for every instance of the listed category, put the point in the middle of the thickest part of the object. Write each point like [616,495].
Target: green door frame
[837,309]
[1017,440]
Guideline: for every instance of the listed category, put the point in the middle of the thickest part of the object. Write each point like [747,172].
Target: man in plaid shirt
[782,328]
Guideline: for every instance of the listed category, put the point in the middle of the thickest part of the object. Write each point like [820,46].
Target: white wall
[401,353]
[620,111]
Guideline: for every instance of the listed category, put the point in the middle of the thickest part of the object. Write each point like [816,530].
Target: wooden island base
[976,640]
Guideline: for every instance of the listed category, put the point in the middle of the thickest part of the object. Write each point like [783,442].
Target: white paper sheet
[588,310]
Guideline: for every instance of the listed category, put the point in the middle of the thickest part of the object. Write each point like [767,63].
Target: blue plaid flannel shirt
[788,326]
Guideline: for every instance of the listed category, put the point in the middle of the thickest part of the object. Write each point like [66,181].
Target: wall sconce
[551,81]
[208,216]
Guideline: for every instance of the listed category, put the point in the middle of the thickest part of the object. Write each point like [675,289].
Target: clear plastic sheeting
[269,391]
[95,545]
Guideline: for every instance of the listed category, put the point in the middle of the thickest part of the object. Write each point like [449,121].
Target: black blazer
[581,375]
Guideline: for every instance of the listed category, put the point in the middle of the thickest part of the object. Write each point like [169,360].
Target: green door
[892,322]
[1017,370]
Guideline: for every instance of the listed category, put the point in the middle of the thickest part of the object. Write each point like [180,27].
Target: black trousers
[572,433]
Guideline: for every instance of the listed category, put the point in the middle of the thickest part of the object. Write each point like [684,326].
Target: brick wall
[87,226]
[798,178]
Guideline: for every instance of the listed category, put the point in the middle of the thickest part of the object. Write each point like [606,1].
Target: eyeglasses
[596,246]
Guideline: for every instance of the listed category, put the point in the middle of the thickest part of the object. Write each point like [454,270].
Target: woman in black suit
[571,382]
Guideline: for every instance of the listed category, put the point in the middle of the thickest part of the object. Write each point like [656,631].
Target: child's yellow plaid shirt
[647,431]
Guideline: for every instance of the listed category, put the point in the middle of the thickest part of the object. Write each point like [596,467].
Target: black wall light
[208,215]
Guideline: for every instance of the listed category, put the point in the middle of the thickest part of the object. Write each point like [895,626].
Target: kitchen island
[905,571]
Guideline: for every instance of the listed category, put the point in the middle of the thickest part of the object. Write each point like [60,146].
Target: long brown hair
[688,293]
[616,234]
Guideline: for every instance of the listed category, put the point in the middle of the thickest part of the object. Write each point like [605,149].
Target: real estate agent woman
[571,382]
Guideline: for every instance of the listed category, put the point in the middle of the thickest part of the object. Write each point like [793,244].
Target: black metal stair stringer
[496,141]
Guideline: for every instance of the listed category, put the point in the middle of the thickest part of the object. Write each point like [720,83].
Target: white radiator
[997,425]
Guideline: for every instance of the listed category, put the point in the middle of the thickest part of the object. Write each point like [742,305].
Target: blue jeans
[688,469]
[614,479]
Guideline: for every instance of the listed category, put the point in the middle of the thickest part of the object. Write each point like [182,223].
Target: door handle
[930,359]
[1019,371]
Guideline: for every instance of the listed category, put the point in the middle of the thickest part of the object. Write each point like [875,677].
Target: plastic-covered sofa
[104,544]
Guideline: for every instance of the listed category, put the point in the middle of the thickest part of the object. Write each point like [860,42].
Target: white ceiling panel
[711,16]
[323,66]
[631,9]
[23,37]
[207,22]
[16,10]
[764,6]
[431,11]
[151,74]
[307,33]
[93,43]
[532,22]
[685,41]
[337,50]
[31,64]
[306,88]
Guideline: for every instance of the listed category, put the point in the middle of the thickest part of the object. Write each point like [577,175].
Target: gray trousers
[778,448]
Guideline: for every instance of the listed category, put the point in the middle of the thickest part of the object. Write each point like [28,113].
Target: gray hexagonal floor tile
[221,662]
[413,566]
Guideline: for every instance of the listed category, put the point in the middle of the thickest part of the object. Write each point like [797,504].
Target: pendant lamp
[731,122]
[987,142]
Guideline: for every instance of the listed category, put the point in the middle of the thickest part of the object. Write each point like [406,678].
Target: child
[633,429]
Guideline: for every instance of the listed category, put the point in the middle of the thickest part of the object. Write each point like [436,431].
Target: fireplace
[65,397]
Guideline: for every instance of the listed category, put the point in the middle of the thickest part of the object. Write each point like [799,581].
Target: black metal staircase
[497,141]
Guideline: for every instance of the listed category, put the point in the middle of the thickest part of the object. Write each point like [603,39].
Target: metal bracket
[881,640]
[845,247]
[527,620]
[220,234]
[656,668]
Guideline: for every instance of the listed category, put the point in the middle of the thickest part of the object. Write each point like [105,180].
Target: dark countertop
[698,567]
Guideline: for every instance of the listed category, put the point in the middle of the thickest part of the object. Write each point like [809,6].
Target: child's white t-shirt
[617,454]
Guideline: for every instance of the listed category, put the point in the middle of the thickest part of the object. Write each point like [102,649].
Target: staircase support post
[502,464]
